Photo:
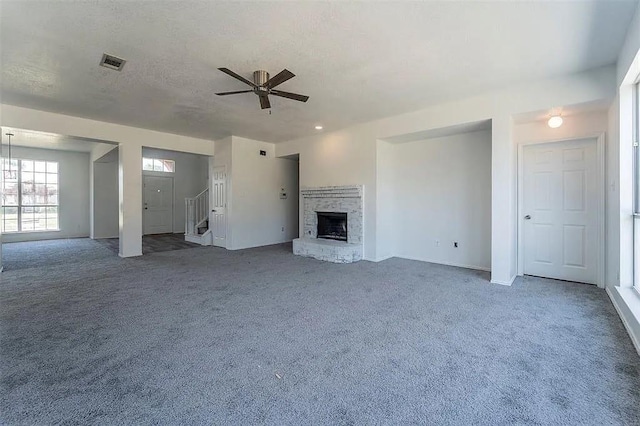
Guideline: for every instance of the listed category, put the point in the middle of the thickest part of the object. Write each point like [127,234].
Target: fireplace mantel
[353,191]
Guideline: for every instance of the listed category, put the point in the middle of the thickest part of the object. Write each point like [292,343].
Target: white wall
[73,169]
[49,122]
[442,194]
[190,178]
[104,153]
[105,196]
[613,197]
[258,213]
[388,206]
[348,156]
[630,49]
[130,141]
[574,126]
[623,296]
[628,69]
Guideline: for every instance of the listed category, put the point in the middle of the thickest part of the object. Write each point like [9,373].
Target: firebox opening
[332,225]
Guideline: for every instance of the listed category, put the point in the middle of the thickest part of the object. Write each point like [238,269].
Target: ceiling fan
[263,86]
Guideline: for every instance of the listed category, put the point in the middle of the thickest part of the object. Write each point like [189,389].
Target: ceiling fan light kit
[263,86]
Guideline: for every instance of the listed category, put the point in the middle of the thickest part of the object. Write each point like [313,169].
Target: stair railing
[197,212]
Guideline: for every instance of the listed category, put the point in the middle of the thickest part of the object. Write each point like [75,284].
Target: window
[29,195]
[636,184]
[636,148]
[158,165]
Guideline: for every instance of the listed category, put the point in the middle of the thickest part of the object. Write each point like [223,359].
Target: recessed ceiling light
[318,127]
[555,121]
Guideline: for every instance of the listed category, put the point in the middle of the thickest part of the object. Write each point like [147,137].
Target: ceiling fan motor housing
[260,77]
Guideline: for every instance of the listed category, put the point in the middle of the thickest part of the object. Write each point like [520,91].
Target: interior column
[130,197]
[503,202]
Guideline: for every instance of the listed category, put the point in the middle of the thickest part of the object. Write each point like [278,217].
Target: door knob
[527,217]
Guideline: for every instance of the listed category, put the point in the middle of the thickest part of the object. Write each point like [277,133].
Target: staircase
[196,228]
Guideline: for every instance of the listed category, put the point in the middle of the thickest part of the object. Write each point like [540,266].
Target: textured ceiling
[357,61]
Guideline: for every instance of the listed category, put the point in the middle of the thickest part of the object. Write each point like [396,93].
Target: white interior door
[158,205]
[560,209]
[219,206]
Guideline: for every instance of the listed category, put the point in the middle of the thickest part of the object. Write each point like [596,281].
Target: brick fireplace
[337,211]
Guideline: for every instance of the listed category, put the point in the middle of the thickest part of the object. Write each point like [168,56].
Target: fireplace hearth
[332,225]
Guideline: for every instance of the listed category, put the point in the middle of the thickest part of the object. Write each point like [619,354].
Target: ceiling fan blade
[264,102]
[279,78]
[234,93]
[239,77]
[294,96]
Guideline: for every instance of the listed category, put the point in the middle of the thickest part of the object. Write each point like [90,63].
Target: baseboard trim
[438,262]
[507,283]
[131,255]
[259,245]
[635,339]
[380,259]
[24,237]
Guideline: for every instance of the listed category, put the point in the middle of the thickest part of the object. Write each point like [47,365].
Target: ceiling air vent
[112,62]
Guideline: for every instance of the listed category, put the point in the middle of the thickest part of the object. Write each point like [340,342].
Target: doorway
[562,210]
[158,205]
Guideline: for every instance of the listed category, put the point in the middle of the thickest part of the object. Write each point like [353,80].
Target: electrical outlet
[455,244]
[283,229]
[437,243]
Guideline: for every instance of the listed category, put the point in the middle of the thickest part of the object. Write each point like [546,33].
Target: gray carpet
[52,253]
[208,336]
[153,243]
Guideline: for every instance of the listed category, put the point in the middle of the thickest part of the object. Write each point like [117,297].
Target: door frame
[600,159]
[173,197]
